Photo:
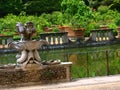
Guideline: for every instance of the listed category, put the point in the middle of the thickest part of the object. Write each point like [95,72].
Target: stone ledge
[48,74]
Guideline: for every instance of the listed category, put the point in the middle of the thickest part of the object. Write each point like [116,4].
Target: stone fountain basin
[28,45]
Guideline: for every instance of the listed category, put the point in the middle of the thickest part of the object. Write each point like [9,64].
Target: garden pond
[87,61]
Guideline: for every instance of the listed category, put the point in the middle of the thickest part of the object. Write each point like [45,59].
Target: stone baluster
[58,39]
[43,36]
[96,36]
[93,36]
[111,36]
[53,40]
[3,43]
[0,41]
[99,36]
[10,39]
[106,36]
[46,38]
[65,37]
[61,40]
[49,39]
[102,36]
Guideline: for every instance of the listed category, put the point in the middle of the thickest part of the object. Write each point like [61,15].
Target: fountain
[29,66]
[28,58]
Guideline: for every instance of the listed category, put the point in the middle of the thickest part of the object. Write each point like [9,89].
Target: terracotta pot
[47,29]
[80,32]
[104,27]
[2,35]
[63,28]
[70,31]
[76,33]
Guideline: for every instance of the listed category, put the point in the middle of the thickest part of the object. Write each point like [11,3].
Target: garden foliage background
[47,13]
[31,7]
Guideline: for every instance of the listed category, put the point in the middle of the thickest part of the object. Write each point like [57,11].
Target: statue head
[20,27]
[26,31]
[30,28]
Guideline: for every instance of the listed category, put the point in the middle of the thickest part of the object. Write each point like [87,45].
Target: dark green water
[87,62]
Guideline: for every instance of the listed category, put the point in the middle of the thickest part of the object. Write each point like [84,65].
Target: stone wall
[48,74]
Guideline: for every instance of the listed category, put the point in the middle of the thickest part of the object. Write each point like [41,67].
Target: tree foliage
[76,12]
[32,7]
[29,6]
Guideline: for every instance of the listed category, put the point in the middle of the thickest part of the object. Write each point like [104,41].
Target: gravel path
[97,83]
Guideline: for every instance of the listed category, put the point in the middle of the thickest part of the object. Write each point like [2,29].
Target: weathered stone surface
[48,74]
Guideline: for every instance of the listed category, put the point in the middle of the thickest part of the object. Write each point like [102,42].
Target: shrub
[103,9]
[76,12]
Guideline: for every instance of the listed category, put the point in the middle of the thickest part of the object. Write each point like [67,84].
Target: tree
[10,6]
[76,12]
[29,6]
[115,5]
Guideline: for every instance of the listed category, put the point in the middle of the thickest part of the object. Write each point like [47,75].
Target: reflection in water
[7,58]
[89,61]
[63,54]
[73,58]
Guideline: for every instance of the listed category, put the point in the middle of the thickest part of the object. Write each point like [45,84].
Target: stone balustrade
[101,35]
[58,38]
[62,38]
[4,40]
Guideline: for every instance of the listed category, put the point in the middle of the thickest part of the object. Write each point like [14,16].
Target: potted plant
[45,24]
[55,29]
[77,14]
